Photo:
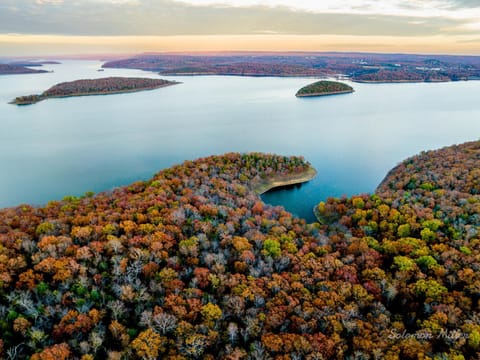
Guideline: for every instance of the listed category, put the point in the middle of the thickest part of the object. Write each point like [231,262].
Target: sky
[54,27]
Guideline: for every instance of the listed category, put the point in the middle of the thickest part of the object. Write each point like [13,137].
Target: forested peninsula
[103,86]
[14,69]
[322,88]
[191,264]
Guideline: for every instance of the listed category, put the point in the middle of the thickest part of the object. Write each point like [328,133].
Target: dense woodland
[421,227]
[110,85]
[358,66]
[193,265]
[324,88]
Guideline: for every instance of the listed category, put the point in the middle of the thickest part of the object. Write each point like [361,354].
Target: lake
[69,146]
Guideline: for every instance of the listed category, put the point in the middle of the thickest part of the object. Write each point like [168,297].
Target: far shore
[263,186]
[397,81]
[322,76]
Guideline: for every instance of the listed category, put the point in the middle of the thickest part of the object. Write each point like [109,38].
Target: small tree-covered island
[103,86]
[324,87]
[191,264]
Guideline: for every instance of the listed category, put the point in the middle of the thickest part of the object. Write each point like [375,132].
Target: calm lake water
[69,146]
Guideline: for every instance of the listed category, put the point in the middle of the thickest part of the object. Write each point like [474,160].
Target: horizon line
[100,55]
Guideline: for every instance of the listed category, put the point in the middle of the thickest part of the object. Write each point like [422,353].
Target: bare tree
[164,323]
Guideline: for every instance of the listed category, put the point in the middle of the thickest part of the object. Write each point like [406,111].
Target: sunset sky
[43,27]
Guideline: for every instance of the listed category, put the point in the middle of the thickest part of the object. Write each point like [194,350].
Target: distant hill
[364,67]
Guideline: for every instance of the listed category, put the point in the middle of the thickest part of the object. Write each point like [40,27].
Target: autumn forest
[193,265]
[307,192]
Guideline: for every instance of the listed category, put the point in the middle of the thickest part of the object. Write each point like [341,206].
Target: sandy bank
[283,180]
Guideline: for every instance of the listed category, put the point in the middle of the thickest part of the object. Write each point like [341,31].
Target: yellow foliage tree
[148,345]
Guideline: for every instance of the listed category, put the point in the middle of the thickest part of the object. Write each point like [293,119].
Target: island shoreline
[325,93]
